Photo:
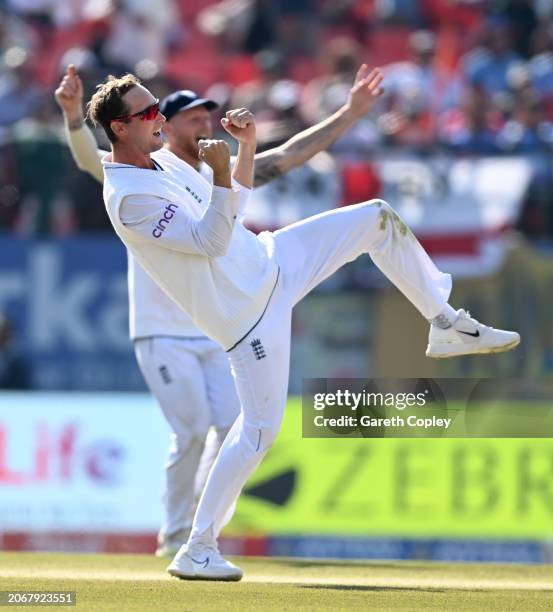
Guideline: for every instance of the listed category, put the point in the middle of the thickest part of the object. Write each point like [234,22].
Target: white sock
[446,318]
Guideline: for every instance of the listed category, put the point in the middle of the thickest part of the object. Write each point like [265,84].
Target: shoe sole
[484,351]
[231,578]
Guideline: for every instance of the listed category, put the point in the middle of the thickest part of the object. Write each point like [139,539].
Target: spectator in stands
[522,18]
[140,31]
[417,90]
[462,15]
[254,95]
[42,158]
[528,131]
[487,66]
[38,15]
[13,32]
[408,125]
[421,78]
[273,99]
[241,26]
[298,25]
[325,94]
[19,95]
[281,118]
[473,128]
[9,196]
[506,108]
[14,369]
[251,26]
[261,32]
[540,65]
[399,11]
[357,17]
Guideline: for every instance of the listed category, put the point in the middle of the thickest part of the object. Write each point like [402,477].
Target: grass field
[127,582]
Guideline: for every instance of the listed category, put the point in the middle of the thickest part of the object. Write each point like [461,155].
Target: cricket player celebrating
[187,372]
[239,288]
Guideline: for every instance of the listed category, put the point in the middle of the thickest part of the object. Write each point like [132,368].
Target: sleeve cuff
[226,201]
[245,193]
[239,186]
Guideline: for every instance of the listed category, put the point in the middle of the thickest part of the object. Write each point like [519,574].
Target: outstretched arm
[69,96]
[302,147]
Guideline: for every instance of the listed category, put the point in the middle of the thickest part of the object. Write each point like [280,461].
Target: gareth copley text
[369,421]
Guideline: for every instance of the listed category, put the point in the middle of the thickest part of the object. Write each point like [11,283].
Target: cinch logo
[169,213]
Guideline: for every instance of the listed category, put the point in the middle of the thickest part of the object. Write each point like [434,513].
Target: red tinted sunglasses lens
[150,113]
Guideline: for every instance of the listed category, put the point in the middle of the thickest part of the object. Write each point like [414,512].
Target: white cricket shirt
[186,236]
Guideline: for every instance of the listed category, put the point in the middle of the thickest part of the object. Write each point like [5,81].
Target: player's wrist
[222,178]
[74,120]
[247,147]
[349,113]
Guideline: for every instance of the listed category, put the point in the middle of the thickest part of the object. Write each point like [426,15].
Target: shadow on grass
[366,563]
[352,587]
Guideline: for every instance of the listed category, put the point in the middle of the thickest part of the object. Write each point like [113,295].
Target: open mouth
[157,133]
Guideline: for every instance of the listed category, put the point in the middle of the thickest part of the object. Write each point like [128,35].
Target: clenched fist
[240,124]
[216,154]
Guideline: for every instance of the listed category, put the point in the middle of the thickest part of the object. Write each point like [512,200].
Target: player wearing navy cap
[182,100]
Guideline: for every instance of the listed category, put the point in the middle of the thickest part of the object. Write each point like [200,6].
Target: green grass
[127,582]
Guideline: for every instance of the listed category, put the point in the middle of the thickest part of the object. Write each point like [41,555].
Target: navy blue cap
[183,100]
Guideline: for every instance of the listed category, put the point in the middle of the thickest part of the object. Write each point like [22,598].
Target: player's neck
[191,160]
[124,155]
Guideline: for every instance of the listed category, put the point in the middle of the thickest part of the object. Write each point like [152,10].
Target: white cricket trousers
[307,253]
[191,380]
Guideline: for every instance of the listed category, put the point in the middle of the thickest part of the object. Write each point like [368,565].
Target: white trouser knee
[258,438]
[181,444]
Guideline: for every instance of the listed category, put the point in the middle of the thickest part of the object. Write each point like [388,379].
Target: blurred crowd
[15,370]
[470,77]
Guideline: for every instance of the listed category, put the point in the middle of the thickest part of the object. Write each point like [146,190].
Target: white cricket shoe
[467,337]
[203,563]
[169,545]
